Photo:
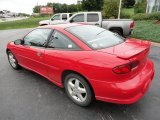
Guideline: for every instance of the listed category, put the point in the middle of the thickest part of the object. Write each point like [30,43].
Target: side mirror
[18,42]
[52,19]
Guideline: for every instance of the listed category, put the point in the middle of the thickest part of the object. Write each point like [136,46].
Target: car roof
[61,26]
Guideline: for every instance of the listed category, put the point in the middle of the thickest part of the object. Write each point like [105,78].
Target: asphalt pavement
[25,95]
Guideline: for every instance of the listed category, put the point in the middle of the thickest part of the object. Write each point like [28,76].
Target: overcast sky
[26,6]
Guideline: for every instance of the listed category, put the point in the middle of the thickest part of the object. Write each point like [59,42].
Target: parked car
[88,61]
[55,19]
[123,27]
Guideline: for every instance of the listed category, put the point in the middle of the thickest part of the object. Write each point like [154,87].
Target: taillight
[132,25]
[126,68]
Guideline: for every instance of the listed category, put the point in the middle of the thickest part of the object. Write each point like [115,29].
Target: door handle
[39,54]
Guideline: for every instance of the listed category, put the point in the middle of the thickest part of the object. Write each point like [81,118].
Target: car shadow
[99,105]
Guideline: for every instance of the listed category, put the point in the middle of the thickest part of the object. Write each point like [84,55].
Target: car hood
[128,49]
[44,21]
[58,22]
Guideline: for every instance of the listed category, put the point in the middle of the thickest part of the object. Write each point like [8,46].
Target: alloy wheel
[12,60]
[77,90]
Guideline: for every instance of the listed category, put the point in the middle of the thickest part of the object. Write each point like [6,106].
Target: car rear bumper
[127,92]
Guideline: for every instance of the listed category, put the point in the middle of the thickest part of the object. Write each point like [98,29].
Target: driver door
[31,53]
[79,18]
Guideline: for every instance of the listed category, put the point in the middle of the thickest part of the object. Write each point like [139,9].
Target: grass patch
[128,11]
[147,30]
[26,23]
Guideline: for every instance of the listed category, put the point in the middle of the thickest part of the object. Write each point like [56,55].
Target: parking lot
[25,95]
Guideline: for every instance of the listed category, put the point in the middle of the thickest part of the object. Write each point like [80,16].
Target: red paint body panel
[131,48]
[125,92]
[95,65]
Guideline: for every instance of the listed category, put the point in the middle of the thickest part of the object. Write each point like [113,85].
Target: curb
[155,44]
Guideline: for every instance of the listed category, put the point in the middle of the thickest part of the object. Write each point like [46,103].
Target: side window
[92,18]
[78,18]
[37,37]
[60,41]
[64,16]
[56,17]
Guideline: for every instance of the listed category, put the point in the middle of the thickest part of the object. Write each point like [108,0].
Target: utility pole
[158,6]
[119,12]
[147,8]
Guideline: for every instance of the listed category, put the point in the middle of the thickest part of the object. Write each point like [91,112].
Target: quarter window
[60,41]
[37,37]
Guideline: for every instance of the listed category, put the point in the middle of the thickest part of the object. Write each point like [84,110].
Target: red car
[88,61]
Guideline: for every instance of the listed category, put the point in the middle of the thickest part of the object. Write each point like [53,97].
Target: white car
[56,18]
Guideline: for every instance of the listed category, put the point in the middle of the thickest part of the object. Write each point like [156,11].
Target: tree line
[109,8]
[87,5]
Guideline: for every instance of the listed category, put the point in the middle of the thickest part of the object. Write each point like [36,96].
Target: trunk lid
[135,51]
[131,48]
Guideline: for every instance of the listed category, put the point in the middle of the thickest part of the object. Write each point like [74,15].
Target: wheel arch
[117,28]
[43,24]
[67,72]
[7,50]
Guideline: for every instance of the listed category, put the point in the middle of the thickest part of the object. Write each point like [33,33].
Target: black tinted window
[37,37]
[60,41]
[64,16]
[92,18]
[78,18]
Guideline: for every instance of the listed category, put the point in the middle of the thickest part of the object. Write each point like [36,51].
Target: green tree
[110,8]
[72,8]
[36,9]
[57,7]
[49,4]
[140,7]
[60,8]
[99,4]
[128,3]
[91,5]
[79,7]
[64,8]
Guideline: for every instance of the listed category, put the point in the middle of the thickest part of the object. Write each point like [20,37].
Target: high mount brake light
[126,68]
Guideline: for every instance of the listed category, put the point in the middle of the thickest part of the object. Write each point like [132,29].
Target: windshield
[95,37]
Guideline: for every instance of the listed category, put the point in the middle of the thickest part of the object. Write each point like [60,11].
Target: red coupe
[88,61]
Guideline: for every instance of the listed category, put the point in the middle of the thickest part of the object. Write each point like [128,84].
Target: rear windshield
[95,37]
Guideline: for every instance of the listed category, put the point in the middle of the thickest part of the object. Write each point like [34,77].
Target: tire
[117,32]
[13,61]
[78,90]
[43,25]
